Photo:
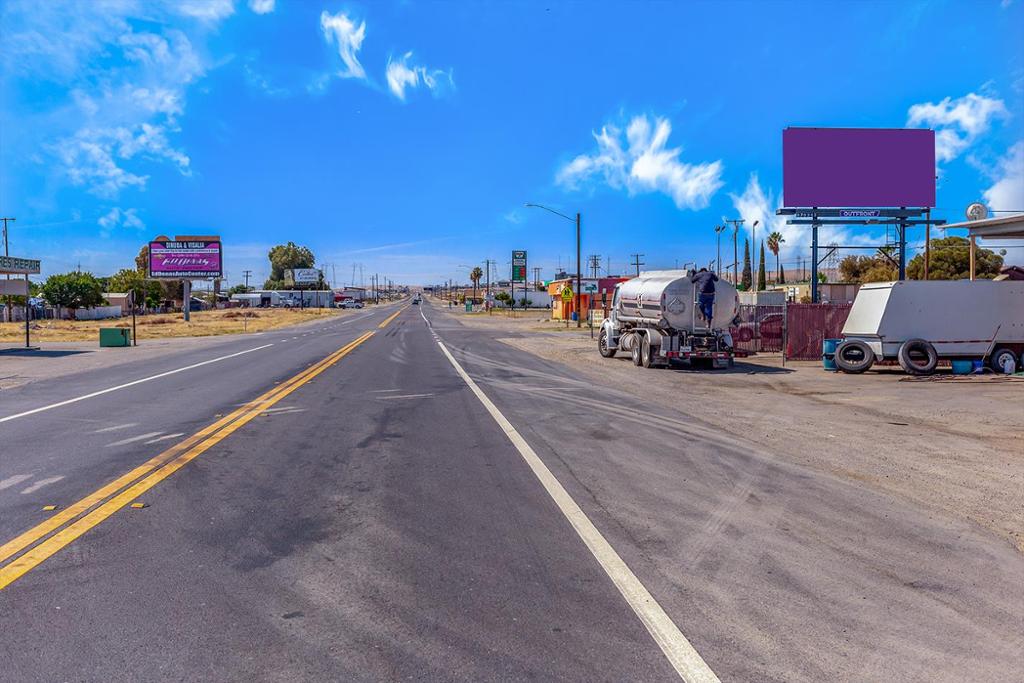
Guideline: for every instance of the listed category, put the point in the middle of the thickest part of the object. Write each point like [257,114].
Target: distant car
[416,301]
[350,303]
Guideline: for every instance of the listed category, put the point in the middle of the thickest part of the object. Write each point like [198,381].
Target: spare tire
[854,356]
[1000,356]
[918,357]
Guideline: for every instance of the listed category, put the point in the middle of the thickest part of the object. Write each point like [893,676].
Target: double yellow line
[126,488]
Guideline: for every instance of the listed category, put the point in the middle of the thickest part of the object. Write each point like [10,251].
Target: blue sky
[407,136]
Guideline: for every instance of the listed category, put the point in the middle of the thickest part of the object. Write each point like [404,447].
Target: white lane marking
[383,391]
[41,483]
[13,481]
[129,384]
[687,662]
[115,428]
[388,398]
[165,437]
[133,439]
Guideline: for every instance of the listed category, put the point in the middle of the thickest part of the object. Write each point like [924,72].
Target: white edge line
[687,662]
[129,384]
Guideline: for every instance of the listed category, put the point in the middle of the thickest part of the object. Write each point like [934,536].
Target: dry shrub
[232,314]
[157,321]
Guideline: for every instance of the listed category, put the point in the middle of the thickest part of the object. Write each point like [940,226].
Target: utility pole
[579,284]
[719,229]
[736,223]
[487,264]
[247,273]
[536,277]
[637,263]
[6,253]
[594,261]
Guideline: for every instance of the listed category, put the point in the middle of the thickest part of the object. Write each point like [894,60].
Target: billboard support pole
[186,295]
[927,241]
[814,257]
[902,272]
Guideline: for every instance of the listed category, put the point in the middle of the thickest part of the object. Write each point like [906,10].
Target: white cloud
[755,204]
[348,37]
[401,75]
[117,217]
[957,123]
[1007,192]
[124,68]
[644,164]
[261,6]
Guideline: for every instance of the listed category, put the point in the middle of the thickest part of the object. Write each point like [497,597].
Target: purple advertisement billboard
[837,167]
[185,259]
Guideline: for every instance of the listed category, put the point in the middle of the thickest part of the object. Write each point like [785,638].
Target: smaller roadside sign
[590,288]
[305,276]
[518,266]
[19,266]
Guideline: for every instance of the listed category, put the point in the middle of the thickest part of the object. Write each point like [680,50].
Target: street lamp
[719,229]
[579,321]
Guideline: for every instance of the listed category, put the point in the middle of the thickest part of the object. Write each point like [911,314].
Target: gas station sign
[518,266]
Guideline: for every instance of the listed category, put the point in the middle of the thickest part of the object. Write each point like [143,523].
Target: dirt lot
[952,444]
[202,324]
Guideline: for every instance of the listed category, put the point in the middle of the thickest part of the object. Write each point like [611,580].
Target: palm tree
[475,276]
[775,241]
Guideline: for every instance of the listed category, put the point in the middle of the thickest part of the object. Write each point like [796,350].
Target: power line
[637,262]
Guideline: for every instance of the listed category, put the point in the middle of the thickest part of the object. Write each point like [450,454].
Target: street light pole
[579,275]
[736,223]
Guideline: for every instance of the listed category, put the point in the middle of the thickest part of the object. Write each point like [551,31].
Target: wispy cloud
[757,204]
[401,75]
[639,160]
[347,36]
[957,122]
[122,71]
[1007,190]
[261,6]
[117,217]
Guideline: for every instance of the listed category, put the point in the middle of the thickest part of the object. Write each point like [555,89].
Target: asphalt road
[372,520]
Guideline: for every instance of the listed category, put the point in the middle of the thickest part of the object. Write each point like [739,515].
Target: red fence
[807,325]
[800,327]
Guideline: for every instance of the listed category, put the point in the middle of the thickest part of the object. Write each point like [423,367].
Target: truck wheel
[602,344]
[645,353]
[635,352]
[854,356]
[998,359]
[917,357]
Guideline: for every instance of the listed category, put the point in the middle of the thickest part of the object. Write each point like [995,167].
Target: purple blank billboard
[853,167]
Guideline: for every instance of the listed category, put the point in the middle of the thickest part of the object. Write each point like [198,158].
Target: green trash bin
[115,336]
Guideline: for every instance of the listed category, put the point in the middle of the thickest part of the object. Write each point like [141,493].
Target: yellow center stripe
[157,469]
[390,318]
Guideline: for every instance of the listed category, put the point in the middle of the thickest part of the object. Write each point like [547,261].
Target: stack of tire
[916,357]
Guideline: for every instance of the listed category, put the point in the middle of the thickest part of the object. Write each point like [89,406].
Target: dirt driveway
[951,444]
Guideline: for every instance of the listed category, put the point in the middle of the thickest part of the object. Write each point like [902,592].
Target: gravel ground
[951,444]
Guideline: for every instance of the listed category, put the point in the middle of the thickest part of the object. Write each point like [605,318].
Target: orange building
[596,294]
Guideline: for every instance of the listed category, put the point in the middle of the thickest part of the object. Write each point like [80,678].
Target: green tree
[951,260]
[170,289]
[285,257]
[474,276]
[148,293]
[746,279]
[238,289]
[503,297]
[72,290]
[775,241]
[761,283]
[861,269]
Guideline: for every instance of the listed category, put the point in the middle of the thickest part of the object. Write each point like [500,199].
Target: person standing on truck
[704,284]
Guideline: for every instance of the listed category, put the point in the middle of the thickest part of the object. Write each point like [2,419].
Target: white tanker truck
[655,318]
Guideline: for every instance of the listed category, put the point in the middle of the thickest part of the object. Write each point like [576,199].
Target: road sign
[19,266]
[518,266]
[590,288]
[305,276]
[567,294]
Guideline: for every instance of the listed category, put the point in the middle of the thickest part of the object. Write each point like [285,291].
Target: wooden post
[973,246]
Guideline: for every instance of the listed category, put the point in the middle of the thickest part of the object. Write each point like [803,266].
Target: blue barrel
[962,367]
[828,353]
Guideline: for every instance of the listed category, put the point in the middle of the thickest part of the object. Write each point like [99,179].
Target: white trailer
[919,323]
[655,318]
